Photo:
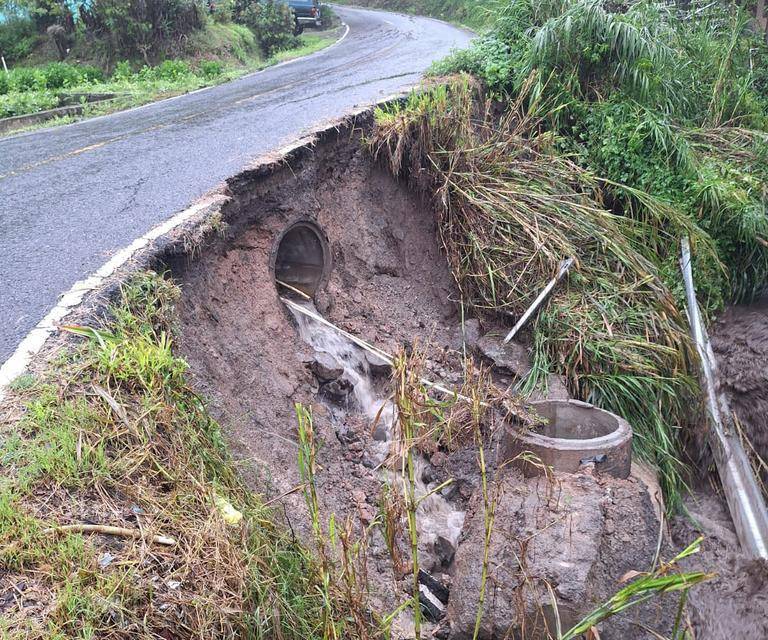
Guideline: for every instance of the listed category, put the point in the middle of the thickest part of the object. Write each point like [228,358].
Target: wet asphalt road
[70,197]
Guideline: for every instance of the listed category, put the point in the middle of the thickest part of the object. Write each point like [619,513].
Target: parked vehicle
[306,12]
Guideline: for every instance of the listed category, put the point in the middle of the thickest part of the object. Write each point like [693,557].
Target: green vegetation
[475,14]
[622,132]
[136,86]
[135,60]
[113,435]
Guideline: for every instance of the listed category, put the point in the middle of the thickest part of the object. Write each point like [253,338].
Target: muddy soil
[740,343]
[390,285]
[734,604]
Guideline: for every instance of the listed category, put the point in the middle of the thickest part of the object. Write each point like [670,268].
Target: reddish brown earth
[390,285]
[740,343]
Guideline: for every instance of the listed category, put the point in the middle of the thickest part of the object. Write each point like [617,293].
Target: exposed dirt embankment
[389,284]
[740,342]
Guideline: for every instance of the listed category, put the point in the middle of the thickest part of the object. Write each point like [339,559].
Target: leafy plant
[272,22]
[664,579]
[18,37]
[211,68]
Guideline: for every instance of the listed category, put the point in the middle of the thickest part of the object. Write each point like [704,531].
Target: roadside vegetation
[137,52]
[475,14]
[622,131]
[113,436]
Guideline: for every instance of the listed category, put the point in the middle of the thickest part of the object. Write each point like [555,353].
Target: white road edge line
[34,341]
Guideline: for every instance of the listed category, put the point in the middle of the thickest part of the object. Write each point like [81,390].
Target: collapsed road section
[356,256]
[368,411]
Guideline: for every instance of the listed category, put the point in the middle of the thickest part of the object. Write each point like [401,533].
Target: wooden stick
[108,530]
[294,289]
[565,265]
[745,502]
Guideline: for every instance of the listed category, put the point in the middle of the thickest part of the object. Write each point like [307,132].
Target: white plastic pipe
[565,265]
[745,502]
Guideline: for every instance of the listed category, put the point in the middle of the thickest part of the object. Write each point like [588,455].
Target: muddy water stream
[438,523]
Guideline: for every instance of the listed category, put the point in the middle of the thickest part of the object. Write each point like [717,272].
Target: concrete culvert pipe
[574,433]
[301,258]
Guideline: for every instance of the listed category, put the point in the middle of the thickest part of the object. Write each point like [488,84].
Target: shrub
[172,70]
[17,38]
[122,71]
[5,85]
[222,11]
[89,73]
[147,28]
[16,104]
[25,79]
[211,68]
[272,23]
[328,17]
[59,75]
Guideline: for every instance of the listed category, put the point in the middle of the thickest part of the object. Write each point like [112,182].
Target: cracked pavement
[70,197]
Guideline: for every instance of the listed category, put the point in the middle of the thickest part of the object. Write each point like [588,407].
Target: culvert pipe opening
[302,258]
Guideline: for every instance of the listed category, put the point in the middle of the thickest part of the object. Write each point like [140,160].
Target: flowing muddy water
[438,522]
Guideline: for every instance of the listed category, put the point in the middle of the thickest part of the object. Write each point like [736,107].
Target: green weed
[113,435]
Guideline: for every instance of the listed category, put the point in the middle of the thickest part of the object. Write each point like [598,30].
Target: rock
[380,431]
[323,303]
[556,389]
[438,589]
[377,366]
[471,332]
[326,367]
[367,514]
[582,536]
[444,550]
[338,389]
[433,609]
[511,357]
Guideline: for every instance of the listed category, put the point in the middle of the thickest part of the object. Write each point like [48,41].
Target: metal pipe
[745,502]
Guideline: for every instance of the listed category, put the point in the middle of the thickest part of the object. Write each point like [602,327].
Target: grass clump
[112,435]
[617,136]
[510,209]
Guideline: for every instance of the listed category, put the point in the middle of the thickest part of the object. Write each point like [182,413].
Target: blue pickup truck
[306,12]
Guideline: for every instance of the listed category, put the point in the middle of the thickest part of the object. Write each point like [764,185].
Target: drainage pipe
[745,502]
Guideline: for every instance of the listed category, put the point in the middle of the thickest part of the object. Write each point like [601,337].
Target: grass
[510,208]
[172,78]
[622,131]
[112,435]
[475,14]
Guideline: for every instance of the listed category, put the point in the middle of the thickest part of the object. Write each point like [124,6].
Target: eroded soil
[390,285]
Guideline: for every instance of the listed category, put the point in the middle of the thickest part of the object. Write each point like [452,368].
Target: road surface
[70,197]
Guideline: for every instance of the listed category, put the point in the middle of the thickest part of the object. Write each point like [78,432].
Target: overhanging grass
[112,435]
[510,209]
